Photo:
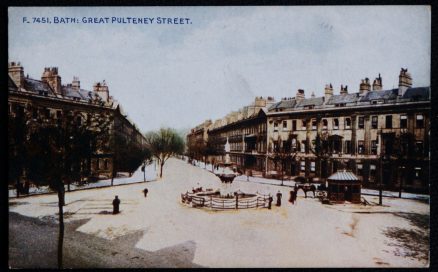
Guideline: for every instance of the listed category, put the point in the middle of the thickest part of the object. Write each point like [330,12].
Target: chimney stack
[344,90]
[16,72]
[404,81]
[328,92]
[377,84]
[76,84]
[51,76]
[102,90]
[364,86]
[300,95]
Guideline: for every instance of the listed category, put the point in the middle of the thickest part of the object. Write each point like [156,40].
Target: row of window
[336,146]
[419,123]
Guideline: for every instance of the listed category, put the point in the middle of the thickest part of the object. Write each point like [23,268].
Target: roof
[317,101]
[346,98]
[284,104]
[419,93]
[35,86]
[343,175]
[379,95]
[11,85]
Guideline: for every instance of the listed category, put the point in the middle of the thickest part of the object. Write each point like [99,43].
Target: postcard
[219,137]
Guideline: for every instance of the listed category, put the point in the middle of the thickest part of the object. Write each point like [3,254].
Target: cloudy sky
[180,75]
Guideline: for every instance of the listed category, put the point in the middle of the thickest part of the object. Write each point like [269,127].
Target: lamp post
[379,135]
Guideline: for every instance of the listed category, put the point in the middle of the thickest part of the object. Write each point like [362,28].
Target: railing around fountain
[218,203]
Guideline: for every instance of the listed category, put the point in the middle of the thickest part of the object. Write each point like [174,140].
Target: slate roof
[317,101]
[343,175]
[419,93]
[71,92]
[35,86]
[347,98]
[380,95]
[11,85]
[283,104]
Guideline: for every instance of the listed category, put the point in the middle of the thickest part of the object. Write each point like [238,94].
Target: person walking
[278,199]
[116,205]
[270,199]
[145,191]
[291,197]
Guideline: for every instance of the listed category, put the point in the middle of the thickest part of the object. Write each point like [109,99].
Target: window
[374,122]
[312,166]
[303,166]
[359,170]
[275,126]
[34,113]
[347,123]
[105,164]
[360,147]
[304,124]
[372,173]
[324,123]
[47,113]
[347,147]
[303,146]
[374,147]
[335,123]
[361,122]
[294,145]
[388,121]
[417,172]
[420,121]
[337,145]
[284,125]
[78,120]
[419,148]
[97,164]
[314,124]
[403,121]
[294,125]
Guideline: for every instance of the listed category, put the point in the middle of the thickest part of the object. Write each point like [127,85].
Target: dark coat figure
[291,197]
[270,199]
[278,199]
[116,205]
[145,191]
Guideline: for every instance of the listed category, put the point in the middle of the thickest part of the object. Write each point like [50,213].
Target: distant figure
[116,204]
[278,199]
[145,191]
[26,187]
[291,197]
[270,202]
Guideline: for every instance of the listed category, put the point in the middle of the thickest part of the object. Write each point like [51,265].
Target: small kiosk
[344,186]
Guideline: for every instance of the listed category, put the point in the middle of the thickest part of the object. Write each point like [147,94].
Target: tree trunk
[68,185]
[161,169]
[61,226]
[17,185]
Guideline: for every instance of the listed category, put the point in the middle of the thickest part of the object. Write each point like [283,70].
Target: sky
[178,75]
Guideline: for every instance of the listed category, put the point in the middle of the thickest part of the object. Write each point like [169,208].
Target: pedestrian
[269,202]
[116,204]
[291,197]
[295,197]
[278,199]
[145,191]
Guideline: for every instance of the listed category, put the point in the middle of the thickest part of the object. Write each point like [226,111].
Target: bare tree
[163,144]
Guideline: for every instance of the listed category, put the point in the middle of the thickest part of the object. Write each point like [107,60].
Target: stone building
[49,100]
[246,133]
[381,135]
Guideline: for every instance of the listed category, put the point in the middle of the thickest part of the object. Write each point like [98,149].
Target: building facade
[380,135]
[49,101]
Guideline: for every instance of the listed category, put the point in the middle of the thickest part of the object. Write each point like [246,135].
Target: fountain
[225,197]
